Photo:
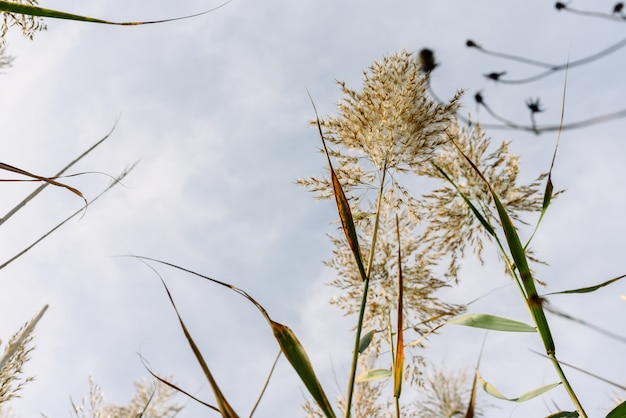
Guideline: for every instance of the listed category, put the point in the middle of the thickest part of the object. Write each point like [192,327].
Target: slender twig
[561,67]
[472,44]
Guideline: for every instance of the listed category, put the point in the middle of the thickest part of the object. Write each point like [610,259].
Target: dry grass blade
[471,405]
[59,173]
[48,180]
[345,213]
[225,409]
[25,250]
[25,9]
[175,387]
[289,344]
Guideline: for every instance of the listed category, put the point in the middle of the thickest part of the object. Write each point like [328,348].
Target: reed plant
[396,248]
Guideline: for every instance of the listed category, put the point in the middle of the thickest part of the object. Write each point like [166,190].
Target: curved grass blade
[529,290]
[519,257]
[58,174]
[289,344]
[175,387]
[225,409]
[48,180]
[618,412]
[116,181]
[25,9]
[588,289]
[490,389]
[496,323]
[345,214]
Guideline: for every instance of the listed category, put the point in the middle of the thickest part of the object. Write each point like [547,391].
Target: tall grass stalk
[359,326]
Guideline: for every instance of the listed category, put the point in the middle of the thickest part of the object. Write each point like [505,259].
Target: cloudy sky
[215,108]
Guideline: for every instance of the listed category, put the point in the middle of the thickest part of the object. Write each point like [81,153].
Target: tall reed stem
[357,341]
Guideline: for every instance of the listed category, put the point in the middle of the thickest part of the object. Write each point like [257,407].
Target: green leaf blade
[376,374]
[296,355]
[491,322]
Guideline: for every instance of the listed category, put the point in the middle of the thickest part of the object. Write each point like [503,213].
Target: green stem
[355,353]
[568,387]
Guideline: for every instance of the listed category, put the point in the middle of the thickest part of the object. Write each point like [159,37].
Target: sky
[216,111]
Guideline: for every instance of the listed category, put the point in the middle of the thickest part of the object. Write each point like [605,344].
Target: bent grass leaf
[375,374]
[289,344]
[57,175]
[48,180]
[588,289]
[25,9]
[618,412]
[490,389]
[491,322]
[521,262]
[225,409]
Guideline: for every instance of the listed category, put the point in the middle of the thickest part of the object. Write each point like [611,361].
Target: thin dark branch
[538,129]
[472,44]
[616,16]
[561,67]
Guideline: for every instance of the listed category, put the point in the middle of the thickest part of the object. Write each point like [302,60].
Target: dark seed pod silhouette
[495,76]
[618,7]
[534,105]
[560,6]
[427,60]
